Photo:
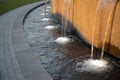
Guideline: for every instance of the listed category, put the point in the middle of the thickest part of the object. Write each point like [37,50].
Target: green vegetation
[6,5]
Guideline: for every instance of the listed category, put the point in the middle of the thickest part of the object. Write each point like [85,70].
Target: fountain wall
[81,15]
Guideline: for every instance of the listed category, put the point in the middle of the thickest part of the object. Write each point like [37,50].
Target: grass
[7,5]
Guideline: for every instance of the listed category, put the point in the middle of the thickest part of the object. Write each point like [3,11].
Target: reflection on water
[65,62]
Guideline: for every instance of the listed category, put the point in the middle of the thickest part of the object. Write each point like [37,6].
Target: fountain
[64,39]
[45,8]
[109,22]
[51,26]
[111,9]
[65,12]
[99,65]
[93,32]
[72,61]
[45,12]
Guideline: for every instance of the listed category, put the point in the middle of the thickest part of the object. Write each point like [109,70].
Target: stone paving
[17,61]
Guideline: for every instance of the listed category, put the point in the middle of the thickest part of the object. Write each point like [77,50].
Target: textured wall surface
[83,15]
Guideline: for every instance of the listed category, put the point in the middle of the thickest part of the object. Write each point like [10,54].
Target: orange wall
[81,15]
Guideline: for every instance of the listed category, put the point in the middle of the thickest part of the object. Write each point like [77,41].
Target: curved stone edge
[31,68]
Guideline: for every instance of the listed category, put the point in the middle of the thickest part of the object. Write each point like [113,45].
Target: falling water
[65,12]
[45,8]
[110,8]
[64,40]
[94,25]
[45,12]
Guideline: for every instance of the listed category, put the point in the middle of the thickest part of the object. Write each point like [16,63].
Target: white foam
[50,27]
[48,7]
[63,40]
[45,19]
[91,65]
[43,14]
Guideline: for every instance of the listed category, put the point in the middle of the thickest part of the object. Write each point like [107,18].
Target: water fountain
[108,26]
[111,8]
[64,39]
[45,8]
[45,12]
[65,13]
[99,65]
[51,25]
[93,32]
[72,61]
[96,65]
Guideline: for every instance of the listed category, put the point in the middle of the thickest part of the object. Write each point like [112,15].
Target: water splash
[50,27]
[63,40]
[45,19]
[43,14]
[91,65]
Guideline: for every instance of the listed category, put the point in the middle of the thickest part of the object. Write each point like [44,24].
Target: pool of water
[65,62]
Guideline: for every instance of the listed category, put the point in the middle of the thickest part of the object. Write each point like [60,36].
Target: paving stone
[17,62]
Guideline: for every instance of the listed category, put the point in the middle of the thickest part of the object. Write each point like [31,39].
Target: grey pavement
[17,60]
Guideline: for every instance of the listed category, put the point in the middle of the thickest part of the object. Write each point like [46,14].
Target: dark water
[61,60]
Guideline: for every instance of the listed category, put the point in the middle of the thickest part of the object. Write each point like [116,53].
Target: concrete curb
[17,61]
[31,68]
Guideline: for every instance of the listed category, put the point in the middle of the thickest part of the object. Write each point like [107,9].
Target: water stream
[45,8]
[112,6]
[64,39]
[65,13]
[108,7]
